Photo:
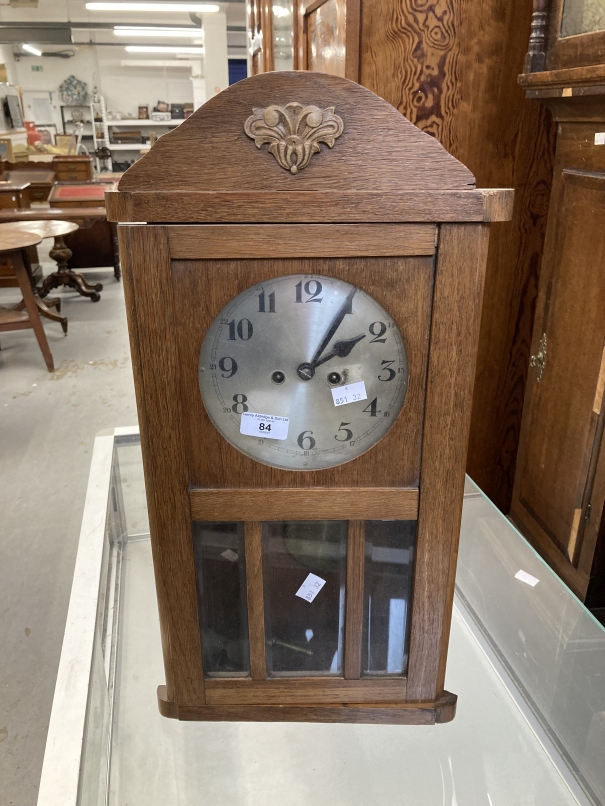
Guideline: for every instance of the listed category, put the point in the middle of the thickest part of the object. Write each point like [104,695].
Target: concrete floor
[47,426]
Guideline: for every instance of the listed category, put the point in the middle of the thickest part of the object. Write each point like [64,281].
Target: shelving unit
[136,148]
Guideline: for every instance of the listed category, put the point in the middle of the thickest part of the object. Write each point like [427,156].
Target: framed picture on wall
[48,134]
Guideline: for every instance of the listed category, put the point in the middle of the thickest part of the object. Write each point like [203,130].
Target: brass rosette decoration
[294,132]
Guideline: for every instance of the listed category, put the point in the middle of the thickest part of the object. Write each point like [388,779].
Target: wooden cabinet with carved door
[560,480]
[327,36]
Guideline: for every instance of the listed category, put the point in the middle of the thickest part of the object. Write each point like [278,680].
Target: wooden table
[13,244]
[40,181]
[60,253]
[98,246]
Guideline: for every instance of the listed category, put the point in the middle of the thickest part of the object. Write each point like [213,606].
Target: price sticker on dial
[267,426]
[349,393]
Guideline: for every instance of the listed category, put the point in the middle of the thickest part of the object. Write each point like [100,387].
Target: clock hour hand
[340,349]
[346,306]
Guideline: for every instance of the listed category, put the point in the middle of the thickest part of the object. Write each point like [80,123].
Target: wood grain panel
[422,58]
[145,259]
[495,204]
[354,601]
[255,596]
[458,286]
[402,285]
[372,503]
[441,711]
[303,240]
[293,690]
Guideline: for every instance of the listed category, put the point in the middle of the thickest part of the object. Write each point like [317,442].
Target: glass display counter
[526,660]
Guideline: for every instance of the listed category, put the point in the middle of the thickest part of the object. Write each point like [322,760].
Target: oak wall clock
[303,305]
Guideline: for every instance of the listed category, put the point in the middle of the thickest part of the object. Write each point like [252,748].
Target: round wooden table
[61,254]
[13,244]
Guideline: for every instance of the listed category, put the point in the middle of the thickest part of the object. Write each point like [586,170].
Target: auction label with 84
[296,345]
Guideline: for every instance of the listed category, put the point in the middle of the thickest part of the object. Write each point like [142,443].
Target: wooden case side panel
[457,296]
[403,286]
[145,259]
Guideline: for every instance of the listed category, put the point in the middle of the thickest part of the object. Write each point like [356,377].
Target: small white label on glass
[599,138]
[264,425]
[230,555]
[527,578]
[349,393]
[310,587]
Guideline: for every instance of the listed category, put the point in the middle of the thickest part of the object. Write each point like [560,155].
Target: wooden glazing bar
[271,504]
[303,690]
[354,600]
[230,241]
[254,587]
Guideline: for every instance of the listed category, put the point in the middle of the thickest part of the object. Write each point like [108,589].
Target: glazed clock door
[303,351]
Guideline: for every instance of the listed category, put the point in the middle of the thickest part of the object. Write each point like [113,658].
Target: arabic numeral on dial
[243,329]
[228,369]
[348,434]
[305,441]
[378,329]
[262,302]
[312,288]
[386,366]
[372,408]
[239,401]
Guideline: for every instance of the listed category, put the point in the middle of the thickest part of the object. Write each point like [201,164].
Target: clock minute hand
[341,349]
[333,327]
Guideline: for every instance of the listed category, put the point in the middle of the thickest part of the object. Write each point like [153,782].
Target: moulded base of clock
[417,713]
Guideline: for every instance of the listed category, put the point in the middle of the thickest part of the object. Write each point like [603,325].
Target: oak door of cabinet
[562,418]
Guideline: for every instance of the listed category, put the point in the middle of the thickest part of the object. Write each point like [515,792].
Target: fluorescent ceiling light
[280,11]
[162,49]
[32,49]
[204,7]
[189,33]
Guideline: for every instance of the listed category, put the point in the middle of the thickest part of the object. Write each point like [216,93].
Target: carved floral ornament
[294,132]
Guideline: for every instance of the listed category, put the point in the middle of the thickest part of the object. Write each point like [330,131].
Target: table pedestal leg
[61,253]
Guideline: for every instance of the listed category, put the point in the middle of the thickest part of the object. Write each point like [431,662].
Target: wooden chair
[12,245]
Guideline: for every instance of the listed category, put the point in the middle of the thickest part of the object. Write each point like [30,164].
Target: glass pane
[220,573]
[282,34]
[389,561]
[304,635]
[582,17]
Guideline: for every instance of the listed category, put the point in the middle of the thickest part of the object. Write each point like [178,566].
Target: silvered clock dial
[278,351]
